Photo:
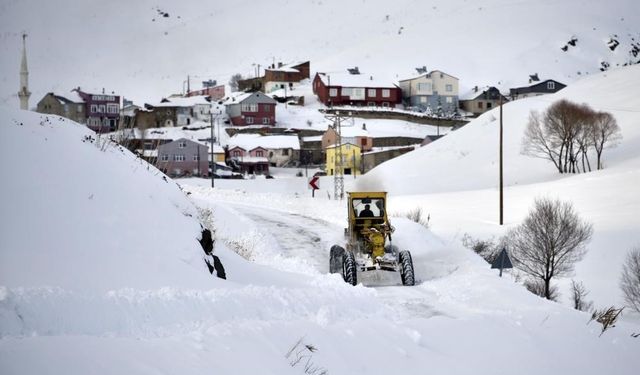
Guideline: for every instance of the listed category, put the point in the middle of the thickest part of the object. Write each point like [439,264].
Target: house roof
[288,68]
[253,97]
[182,102]
[269,142]
[474,94]
[355,80]
[535,85]
[416,75]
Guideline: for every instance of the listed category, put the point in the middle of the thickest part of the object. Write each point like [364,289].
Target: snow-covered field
[100,276]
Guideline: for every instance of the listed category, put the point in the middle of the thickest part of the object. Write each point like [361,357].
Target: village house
[285,76]
[350,154]
[210,89]
[71,107]
[252,161]
[101,112]
[281,150]
[479,100]
[354,135]
[170,112]
[251,109]
[435,92]
[549,86]
[355,89]
[183,157]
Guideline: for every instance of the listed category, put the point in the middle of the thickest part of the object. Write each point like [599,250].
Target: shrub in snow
[606,317]
[630,281]
[488,249]
[578,294]
[417,215]
[539,288]
[549,242]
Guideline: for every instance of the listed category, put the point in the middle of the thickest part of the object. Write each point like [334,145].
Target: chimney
[103,90]
[475,89]
[364,126]
[279,64]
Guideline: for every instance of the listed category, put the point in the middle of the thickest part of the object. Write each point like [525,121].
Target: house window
[449,88]
[363,141]
[196,157]
[101,108]
[236,153]
[249,107]
[385,104]
[371,104]
[346,91]
[423,99]
[488,105]
[112,108]
[79,108]
[449,99]
[285,152]
[249,120]
[182,144]
[424,87]
[372,92]
[259,154]
[333,92]
[178,157]
[265,120]
[551,85]
[480,105]
[94,108]
[164,157]
[386,93]
[266,107]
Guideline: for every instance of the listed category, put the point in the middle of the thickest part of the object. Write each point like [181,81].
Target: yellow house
[350,159]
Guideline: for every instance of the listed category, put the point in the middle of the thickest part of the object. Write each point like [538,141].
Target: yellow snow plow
[368,241]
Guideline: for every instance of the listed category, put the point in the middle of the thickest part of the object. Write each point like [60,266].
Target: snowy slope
[87,217]
[163,313]
[491,42]
[458,179]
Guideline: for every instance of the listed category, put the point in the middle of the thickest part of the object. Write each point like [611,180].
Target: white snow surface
[101,276]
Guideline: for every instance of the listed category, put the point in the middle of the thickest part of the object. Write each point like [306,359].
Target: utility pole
[213,160]
[501,181]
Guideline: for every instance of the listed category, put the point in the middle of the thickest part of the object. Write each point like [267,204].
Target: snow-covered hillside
[104,276]
[457,180]
[494,42]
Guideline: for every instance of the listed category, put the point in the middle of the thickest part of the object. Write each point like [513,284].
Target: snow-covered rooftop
[288,68]
[183,102]
[269,142]
[356,80]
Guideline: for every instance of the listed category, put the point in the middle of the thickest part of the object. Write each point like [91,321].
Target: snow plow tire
[406,268]
[335,259]
[349,270]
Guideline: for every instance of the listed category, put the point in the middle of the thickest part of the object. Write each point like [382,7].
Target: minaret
[24,93]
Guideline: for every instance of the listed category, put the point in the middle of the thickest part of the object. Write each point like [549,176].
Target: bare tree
[605,132]
[550,241]
[538,287]
[565,133]
[578,294]
[233,82]
[630,281]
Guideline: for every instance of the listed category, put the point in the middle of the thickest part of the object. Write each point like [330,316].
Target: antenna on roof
[422,70]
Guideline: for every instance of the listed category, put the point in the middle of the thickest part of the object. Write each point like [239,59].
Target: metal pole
[213,161]
[501,179]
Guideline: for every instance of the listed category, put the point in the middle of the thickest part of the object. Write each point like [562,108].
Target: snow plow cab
[368,241]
